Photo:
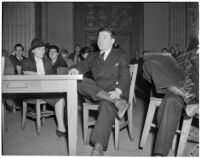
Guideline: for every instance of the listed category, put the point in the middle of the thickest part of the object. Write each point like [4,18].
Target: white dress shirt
[106,54]
[39,66]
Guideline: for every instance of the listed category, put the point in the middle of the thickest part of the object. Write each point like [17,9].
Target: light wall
[156,25]
[60,24]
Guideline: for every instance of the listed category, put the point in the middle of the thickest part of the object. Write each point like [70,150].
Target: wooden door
[126,19]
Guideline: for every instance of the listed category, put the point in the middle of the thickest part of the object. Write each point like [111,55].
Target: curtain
[18,25]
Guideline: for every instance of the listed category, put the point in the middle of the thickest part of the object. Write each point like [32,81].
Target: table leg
[72,113]
[3,120]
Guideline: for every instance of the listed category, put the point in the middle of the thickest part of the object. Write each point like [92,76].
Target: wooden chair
[36,115]
[153,104]
[3,109]
[119,124]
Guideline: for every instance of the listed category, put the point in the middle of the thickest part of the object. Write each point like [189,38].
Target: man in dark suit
[17,57]
[110,86]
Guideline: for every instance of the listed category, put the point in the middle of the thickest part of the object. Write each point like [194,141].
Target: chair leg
[43,110]
[85,125]
[3,119]
[38,123]
[130,122]
[174,143]
[24,112]
[147,125]
[117,129]
[184,135]
[14,109]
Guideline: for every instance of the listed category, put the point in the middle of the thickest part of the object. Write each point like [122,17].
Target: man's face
[39,52]
[18,51]
[105,41]
[53,54]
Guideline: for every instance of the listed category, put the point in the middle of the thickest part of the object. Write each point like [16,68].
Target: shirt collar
[106,52]
[37,59]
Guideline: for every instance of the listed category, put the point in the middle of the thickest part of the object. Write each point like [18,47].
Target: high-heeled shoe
[61,134]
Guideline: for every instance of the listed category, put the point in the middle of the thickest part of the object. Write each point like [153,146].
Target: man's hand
[73,72]
[29,73]
[115,94]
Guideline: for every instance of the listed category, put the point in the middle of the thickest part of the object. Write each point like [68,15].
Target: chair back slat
[2,64]
[133,72]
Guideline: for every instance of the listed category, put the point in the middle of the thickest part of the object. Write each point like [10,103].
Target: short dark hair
[85,50]
[64,51]
[109,30]
[53,47]
[18,45]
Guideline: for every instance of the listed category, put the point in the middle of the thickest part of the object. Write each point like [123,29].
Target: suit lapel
[110,60]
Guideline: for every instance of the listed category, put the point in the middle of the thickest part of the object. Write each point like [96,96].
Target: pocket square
[116,64]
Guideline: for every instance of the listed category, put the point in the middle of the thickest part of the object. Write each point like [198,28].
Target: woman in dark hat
[36,64]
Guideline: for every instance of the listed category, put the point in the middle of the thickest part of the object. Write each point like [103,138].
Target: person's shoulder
[12,57]
[28,60]
[71,55]
[24,57]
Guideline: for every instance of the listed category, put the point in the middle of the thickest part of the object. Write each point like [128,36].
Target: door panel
[121,17]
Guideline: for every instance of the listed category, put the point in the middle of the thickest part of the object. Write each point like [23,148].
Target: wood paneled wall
[18,25]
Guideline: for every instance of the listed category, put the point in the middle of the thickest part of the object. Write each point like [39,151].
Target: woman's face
[77,49]
[64,55]
[39,52]
[53,54]
[85,55]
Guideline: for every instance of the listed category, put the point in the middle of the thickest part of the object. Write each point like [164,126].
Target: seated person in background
[36,64]
[75,56]
[164,50]
[84,52]
[65,54]
[172,83]
[56,60]
[17,57]
[9,99]
[110,87]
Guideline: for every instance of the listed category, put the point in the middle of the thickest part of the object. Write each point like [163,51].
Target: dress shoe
[61,134]
[122,106]
[97,150]
[192,109]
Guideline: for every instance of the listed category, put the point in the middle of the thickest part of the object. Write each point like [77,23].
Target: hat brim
[39,45]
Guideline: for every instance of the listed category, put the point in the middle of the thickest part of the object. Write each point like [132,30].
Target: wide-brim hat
[36,42]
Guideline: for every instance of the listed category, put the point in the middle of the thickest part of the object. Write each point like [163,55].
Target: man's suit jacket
[15,61]
[29,64]
[113,73]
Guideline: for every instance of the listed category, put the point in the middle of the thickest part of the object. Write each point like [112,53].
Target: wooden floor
[26,142]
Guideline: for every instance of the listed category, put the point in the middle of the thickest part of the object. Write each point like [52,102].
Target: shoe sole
[120,115]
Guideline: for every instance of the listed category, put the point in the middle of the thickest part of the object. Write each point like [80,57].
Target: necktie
[20,58]
[101,57]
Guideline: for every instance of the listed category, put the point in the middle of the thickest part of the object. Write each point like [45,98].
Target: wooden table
[49,84]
